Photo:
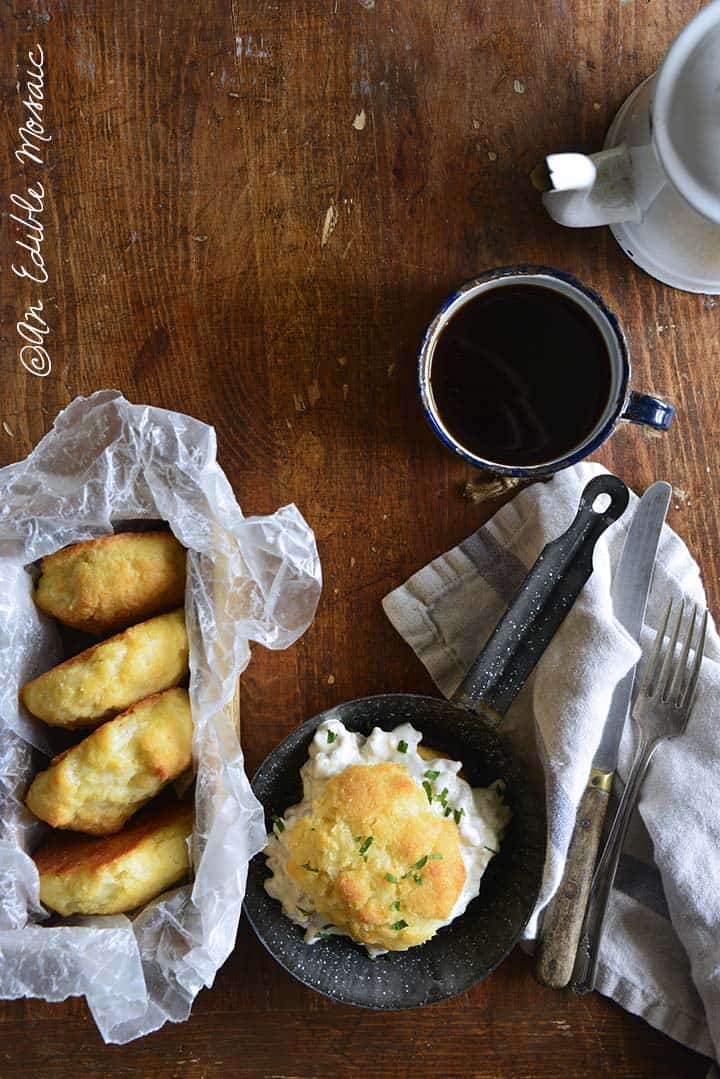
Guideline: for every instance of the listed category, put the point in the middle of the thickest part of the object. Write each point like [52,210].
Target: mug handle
[651,411]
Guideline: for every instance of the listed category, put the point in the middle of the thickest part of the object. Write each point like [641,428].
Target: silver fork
[662,710]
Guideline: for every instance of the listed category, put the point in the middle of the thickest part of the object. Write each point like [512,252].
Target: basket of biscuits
[132,586]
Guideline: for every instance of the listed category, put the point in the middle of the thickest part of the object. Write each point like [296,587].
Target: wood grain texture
[563,918]
[197,152]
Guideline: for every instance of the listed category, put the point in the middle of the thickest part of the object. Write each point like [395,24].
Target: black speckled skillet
[464,952]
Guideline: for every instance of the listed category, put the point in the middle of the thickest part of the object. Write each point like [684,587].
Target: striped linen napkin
[661,951]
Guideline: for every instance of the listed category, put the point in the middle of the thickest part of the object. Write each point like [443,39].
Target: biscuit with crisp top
[377,862]
[97,785]
[116,874]
[103,585]
[109,677]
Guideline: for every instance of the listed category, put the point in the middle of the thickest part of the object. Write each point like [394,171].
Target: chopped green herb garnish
[395,905]
[442,796]
[490,849]
[402,924]
[458,814]
[279,823]
[428,790]
[357,838]
[431,774]
[420,864]
[325,936]
[448,811]
[402,747]
[305,912]
[311,868]
[331,737]
[366,845]
[391,878]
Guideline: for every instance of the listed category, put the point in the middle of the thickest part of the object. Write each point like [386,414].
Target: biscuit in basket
[116,874]
[97,785]
[106,679]
[103,585]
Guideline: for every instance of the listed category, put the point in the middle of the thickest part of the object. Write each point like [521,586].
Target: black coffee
[520,375]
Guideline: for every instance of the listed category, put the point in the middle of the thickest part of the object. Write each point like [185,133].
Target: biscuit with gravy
[375,859]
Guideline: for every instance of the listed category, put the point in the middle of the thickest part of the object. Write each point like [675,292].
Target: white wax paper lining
[107,461]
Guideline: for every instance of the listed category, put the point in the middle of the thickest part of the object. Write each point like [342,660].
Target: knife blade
[630,588]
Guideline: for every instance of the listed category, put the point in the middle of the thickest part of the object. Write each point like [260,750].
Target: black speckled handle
[545,597]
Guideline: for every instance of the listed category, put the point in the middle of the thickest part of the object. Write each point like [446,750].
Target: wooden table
[253,208]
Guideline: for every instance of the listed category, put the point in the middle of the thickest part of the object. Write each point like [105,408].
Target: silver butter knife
[631,584]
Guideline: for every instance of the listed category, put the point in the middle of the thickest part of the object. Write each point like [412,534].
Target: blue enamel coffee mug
[544,291]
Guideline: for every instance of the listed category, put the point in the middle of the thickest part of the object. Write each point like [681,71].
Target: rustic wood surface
[223,239]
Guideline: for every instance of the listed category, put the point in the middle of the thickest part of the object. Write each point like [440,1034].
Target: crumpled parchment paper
[249,579]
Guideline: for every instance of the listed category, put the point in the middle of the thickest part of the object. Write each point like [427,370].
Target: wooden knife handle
[564,916]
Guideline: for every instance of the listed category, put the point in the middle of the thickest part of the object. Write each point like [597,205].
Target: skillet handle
[543,600]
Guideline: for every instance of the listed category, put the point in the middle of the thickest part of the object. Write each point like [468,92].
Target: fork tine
[691,690]
[669,659]
[680,677]
[650,670]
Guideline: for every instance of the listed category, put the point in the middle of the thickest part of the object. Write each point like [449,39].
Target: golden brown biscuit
[376,860]
[106,679]
[115,874]
[106,584]
[98,784]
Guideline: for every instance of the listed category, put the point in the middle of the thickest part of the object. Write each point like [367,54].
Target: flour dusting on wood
[250,47]
[331,220]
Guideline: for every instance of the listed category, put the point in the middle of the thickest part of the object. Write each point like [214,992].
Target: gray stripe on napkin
[643,883]
[495,564]
[561,811]
[562,818]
